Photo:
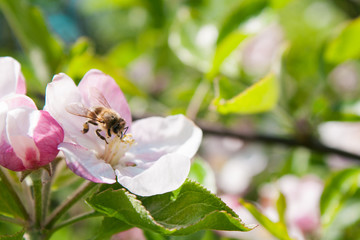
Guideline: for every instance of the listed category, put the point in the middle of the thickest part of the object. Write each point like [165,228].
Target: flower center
[116,149]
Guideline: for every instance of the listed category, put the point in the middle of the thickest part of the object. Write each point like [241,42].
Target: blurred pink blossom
[302,202]
[131,234]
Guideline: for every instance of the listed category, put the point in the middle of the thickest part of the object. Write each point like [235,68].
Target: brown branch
[290,141]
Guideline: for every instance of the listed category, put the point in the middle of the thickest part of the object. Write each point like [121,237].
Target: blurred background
[300,59]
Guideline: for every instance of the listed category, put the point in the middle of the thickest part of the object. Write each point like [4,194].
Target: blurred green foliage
[183,56]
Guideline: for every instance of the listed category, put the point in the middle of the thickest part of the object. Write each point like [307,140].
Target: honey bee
[100,115]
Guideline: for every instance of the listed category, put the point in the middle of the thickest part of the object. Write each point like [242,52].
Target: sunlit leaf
[277,4]
[189,209]
[346,219]
[340,187]
[223,50]
[346,45]
[239,14]
[281,208]
[260,97]
[94,6]
[277,229]
[202,172]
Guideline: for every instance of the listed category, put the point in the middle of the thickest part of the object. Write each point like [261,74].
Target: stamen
[116,149]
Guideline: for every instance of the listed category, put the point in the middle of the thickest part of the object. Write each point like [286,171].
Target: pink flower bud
[28,137]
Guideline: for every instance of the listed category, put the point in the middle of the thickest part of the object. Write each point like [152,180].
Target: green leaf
[8,205]
[29,26]
[111,226]
[345,221]
[339,188]
[278,4]
[17,236]
[238,15]
[202,172]
[260,97]
[200,235]
[346,45]
[281,208]
[223,50]
[276,229]
[189,209]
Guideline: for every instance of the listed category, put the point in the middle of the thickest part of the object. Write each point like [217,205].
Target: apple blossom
[302,202]
[153,157]
[28,137]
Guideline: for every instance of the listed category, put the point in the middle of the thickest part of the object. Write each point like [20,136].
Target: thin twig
[76,219]
[291,141]
[12,220]
[47,186]
[62,209]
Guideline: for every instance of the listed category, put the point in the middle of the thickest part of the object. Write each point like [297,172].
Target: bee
[100,115]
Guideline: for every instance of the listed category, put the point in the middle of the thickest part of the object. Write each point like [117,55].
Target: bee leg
[92,122]
[109,132]
[101,136]
[86,126]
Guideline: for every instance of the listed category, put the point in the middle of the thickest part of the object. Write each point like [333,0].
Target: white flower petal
[20,126]
[60,93]
[84,163]
[165,175]
[159,136]
[9,75]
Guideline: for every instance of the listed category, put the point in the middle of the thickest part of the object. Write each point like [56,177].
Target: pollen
[116,150]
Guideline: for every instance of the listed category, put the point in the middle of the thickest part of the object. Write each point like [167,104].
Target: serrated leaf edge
[134,201]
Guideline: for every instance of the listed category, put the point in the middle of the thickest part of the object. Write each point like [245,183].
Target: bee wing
[99,97]
[78,109]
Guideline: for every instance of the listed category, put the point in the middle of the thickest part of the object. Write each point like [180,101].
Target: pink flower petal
[18,100]
[108,87]
[8,158]
[11,79]
[21,86]
[131,234]
[84,163]
[20,123]
[60,93]
[173,134]
[48,134]
[166,174]
[33,135]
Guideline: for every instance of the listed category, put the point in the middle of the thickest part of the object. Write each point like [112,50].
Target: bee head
[118,127]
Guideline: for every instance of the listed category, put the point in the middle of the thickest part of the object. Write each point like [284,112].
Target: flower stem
[197,99]
[47,186]
[76,219]
[38,198]
[11,220]
[62,209]
[15,197]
